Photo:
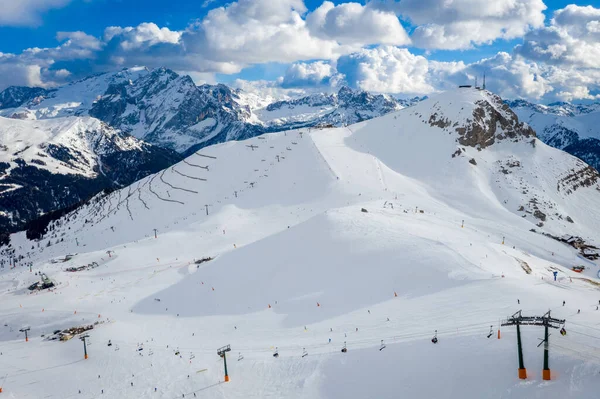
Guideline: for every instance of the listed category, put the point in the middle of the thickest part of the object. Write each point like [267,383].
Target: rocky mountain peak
[480,118]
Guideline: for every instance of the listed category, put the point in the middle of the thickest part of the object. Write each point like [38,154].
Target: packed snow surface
[299,268]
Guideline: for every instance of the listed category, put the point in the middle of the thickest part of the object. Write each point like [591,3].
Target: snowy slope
[299,267]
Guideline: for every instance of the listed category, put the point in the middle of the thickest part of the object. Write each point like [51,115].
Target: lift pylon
[545,321]
[223,353]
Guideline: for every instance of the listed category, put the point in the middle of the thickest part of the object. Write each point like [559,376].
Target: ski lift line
[467,330]
[583,325]
[587,335]
[45,368]
[587,355]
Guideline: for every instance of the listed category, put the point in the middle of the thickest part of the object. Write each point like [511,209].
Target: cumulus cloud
[355,24]
[255,31]
[313,74]
[349,41]
[26,12]
[386,69]
[143,35]
[461,24]
[572,39]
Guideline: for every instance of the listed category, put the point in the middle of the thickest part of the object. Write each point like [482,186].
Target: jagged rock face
[492,120]
[489,121]
[169,110]
[15,96]
[583,176]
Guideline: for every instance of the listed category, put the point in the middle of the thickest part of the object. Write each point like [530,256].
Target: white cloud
[256,31]
[572,39]
[26,12]
[79,39]
[355,24]
[386,69]
[558,61]
[461,24]
[268,89]
[143,35]
[308,74]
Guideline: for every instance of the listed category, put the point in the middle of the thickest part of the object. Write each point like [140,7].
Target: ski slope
[299,267]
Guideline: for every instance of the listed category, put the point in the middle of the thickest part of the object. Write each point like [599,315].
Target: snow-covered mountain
[434,219]
[569,127]
[135,111]
[48,164]
[164,108]
[347,106]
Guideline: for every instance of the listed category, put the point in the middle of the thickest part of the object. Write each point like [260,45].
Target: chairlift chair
[434,339]
[344,349]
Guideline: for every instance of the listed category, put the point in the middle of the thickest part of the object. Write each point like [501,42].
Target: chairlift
[344,349]
[177,353]
[240,357]
[563,332]
[192,356]
[116,347]
[435,339]
[382,347]
[304,352]
[491,331]
[150,352]
[109,343]
[276,353]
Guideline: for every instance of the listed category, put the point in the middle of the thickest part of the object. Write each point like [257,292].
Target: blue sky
[395,46]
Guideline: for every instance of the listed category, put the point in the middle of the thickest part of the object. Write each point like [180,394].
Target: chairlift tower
[25,330]
[223,353]
[543,321]
[83,337]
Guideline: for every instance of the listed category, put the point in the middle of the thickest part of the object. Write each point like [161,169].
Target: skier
[434,339]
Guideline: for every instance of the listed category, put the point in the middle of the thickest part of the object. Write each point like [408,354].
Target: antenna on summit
[483,80]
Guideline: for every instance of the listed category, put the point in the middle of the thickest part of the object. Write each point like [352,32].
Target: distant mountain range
[60,146]
[569,127]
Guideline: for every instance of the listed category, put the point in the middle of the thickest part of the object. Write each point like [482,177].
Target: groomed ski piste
[299,268]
